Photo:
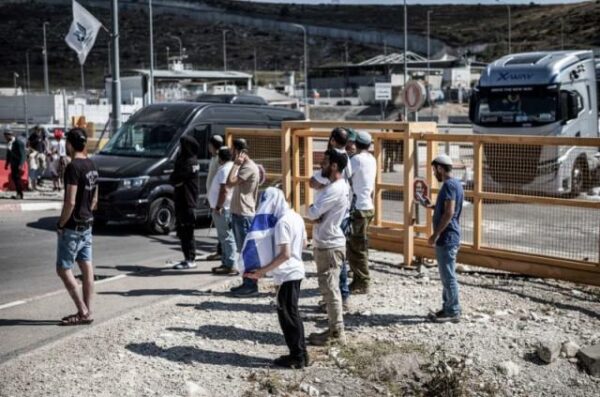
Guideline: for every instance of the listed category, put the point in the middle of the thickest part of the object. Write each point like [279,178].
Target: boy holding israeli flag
[274,247]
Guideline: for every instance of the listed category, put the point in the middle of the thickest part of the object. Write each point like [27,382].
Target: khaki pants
[329,262]
[357,247]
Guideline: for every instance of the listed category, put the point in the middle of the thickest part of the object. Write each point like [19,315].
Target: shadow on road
[227,332]
[154,292]
[231,307]
[14,322]
[190,354]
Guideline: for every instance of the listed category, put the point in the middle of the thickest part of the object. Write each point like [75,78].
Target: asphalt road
[134,271]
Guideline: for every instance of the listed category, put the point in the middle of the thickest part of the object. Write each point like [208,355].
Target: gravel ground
[209,344]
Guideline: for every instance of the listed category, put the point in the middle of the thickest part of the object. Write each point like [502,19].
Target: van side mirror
[473,105]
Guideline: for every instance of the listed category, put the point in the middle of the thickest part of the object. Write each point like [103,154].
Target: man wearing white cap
[364,170]
[446,236]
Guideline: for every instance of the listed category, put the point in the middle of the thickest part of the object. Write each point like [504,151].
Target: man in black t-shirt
[74,228]
[185,180]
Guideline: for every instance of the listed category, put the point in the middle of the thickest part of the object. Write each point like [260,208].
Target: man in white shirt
[364,170]
[214,144]
[219,199]
[287,270]
[327,212]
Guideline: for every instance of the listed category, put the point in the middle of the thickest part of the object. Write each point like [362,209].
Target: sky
[414,2]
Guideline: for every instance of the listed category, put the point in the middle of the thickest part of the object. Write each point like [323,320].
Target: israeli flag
[83,32]
[259,246]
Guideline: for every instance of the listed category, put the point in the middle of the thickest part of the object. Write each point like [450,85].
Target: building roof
[393,58]
[193,74]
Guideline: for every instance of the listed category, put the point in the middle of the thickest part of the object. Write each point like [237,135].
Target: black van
[134,166]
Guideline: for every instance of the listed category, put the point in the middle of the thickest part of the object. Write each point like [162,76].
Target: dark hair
[446,167]
[77,138]
[335,157]
[216,141]
[340,136]
[240,144]
[224,154]
[362,146]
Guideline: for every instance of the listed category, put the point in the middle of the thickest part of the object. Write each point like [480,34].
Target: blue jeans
[225,235]
[446,258]
[240,225]
[73,246]
[344,287]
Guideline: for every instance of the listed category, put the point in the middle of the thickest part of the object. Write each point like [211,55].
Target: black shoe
[307,361]
[246,290]
[442,317]
[290,362]
[234,289]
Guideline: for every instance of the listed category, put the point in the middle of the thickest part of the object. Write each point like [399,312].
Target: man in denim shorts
[74,228]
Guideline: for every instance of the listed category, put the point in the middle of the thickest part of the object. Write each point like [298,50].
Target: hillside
[459,26]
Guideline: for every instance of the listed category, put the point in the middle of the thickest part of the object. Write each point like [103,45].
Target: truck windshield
[141,139]
[505,106]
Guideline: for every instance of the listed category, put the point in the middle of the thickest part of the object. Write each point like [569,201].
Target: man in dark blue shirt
[446,236]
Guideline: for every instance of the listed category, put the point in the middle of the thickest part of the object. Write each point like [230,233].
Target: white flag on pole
[83,32]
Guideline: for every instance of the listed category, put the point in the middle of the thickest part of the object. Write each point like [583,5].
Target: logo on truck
[511,76]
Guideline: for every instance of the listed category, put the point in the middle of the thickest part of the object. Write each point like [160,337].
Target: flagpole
[82,79]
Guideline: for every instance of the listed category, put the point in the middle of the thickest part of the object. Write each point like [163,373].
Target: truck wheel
[579,177]
[161,217]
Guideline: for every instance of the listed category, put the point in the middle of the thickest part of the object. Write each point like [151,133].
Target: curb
[23,207]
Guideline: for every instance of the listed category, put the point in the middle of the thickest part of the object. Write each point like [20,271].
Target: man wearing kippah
[364,169]
[446,236]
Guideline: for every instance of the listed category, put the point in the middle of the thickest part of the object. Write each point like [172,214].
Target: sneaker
[246,290]
[327,337]
[290,362]
[185,265]
[442,317]
[359,289]
[225,270]
[307,361]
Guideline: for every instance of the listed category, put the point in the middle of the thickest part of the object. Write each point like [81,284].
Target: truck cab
[544,94]
[135,165]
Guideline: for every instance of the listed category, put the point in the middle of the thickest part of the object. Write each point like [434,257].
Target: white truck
[545,94]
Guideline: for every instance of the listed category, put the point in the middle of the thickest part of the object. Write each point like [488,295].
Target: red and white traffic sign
[413,95]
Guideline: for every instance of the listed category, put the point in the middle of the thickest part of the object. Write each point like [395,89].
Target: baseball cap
[351,134]
[363,137]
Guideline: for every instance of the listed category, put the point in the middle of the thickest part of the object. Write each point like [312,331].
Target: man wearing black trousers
[287,270]
[185,180]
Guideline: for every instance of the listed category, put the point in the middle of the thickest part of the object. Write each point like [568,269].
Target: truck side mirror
[473,105]
[569,108]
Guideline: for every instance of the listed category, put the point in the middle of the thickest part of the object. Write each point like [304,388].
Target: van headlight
[132,183]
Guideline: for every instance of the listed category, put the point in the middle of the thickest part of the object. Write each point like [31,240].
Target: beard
[438,177]
[326,172]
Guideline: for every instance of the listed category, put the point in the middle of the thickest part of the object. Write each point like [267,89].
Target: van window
[141,139]
[233,113]
[201,134]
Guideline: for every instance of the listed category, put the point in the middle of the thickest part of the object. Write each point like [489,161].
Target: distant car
[343,102]
[233,99]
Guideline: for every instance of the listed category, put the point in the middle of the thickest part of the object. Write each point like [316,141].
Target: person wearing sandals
[74,227]
[185,180]
[219,199]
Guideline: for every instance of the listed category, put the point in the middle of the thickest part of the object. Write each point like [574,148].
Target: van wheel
[161,217]
[579,177]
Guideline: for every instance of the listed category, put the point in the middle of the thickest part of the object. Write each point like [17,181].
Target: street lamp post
[305,68]
[225,49]
[562,33]
[46,79]
[509,29]
[15,77]
[405,55]
[116,83]
[167,57]
[151,93]
[429,12]
[27,66]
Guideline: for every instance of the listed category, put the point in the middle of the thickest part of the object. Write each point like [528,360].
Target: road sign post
[383,93]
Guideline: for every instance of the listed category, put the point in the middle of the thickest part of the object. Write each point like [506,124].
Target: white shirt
[215,186]
[331,207]
[364,170]
[290,230]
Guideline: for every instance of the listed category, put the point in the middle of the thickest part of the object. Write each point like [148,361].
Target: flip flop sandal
[77,320]
[65,318]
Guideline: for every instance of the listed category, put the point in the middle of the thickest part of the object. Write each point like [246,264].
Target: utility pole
[46,79]
[225,49]
[509,29]
[82,79]
[27,70]
[346,48]
[255,65]
[305,69]
[116,83]
[167,57]
[151,93]
[562,34]
[405,55]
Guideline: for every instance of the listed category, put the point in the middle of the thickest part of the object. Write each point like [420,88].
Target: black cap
[77,138]
[240,144]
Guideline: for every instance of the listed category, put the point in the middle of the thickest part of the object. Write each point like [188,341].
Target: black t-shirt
[83,173]
[185,180]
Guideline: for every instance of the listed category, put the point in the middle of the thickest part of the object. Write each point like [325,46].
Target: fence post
[296,173]
[432,149]
[286,160]
[477,189]
[308,168]
[409,200]
[378,154]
